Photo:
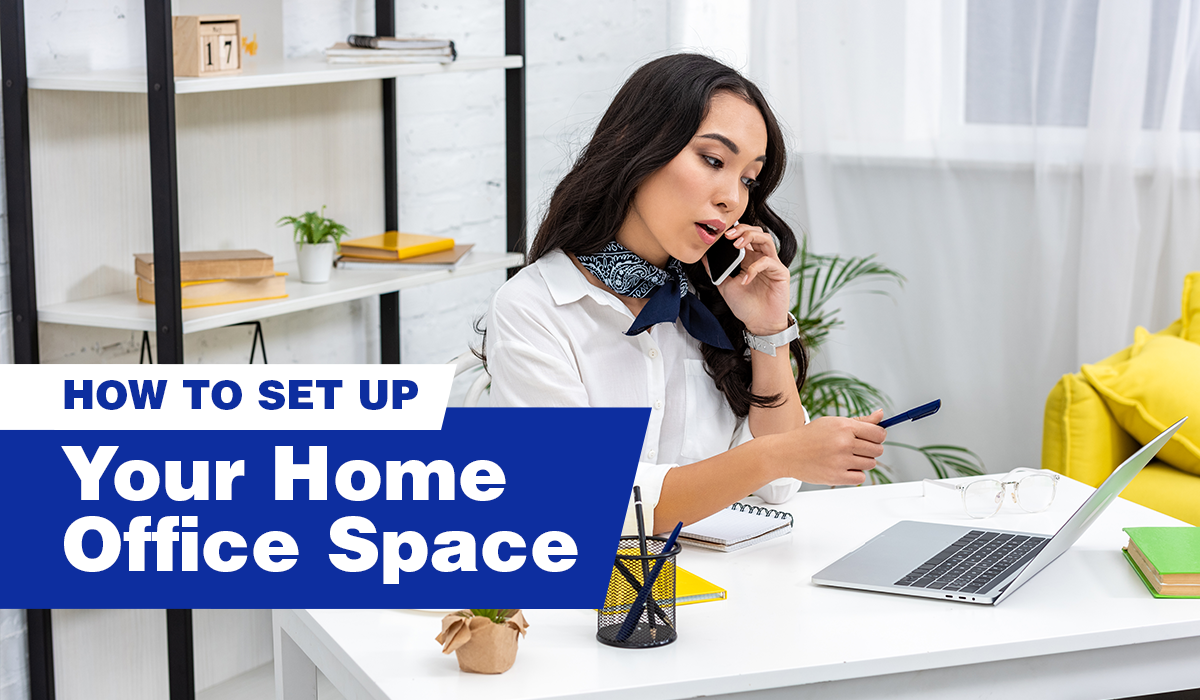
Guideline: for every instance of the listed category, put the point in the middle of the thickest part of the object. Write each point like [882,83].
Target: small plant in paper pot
[316,240]
[484,640]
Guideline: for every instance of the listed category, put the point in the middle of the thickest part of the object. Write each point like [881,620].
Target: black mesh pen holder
[630,618]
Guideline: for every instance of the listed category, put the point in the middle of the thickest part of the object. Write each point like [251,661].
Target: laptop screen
[1091,509]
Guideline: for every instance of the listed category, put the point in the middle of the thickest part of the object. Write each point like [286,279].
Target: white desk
[1084,627]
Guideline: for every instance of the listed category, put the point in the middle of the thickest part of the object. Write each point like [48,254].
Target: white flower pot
[316,260]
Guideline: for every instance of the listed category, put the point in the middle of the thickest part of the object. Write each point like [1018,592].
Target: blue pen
[639,603]
[913,414]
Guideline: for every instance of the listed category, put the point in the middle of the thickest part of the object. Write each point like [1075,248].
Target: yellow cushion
[1174,330]
[1166,490]
[1080,437]
[1190,321]
[1157,385]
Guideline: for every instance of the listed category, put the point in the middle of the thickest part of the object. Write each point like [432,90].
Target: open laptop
[972,565]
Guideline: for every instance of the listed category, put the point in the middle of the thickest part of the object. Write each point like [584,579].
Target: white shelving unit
[124,311]
[118,114]
[266,75]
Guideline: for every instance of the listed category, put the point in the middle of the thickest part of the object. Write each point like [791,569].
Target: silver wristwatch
[768,343]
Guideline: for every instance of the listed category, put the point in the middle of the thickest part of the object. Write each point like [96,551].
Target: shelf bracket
[147,351]
[257,340]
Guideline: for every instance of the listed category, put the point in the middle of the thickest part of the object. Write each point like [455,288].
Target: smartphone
[724,260]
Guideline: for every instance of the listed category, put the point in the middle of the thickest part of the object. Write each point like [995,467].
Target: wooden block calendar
[207,45]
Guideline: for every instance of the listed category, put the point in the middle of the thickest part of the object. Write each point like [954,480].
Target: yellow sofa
[1083,435]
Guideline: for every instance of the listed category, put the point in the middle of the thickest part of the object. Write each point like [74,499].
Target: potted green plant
[317,240]
[485,641]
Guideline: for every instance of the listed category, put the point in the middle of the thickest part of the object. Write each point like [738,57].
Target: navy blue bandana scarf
[666,291]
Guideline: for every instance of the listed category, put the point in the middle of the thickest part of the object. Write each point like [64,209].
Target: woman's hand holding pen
[761,295]
[832,450]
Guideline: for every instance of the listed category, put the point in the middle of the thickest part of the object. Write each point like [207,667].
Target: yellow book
[690,588]
[394,245]
[214,292]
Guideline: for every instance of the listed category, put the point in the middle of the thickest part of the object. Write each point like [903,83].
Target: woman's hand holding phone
[760,296]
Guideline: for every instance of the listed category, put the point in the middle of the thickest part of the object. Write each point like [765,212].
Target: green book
[1167,559]
[1172,550]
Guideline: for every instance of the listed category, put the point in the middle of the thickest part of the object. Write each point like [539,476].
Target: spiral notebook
[738,526]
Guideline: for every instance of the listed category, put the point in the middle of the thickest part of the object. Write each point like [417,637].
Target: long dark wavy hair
[650,121]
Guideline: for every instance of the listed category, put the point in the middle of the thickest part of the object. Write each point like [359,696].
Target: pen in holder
[655,622]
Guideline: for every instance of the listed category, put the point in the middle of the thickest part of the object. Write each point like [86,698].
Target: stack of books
[1167,559]
[359,48]
[394,250]
[211,277]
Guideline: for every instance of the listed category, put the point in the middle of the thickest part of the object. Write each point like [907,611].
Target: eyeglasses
[1032,489]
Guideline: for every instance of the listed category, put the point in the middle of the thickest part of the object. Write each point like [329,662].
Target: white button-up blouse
[554,339]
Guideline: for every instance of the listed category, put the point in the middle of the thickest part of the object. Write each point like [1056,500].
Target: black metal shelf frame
[164,183]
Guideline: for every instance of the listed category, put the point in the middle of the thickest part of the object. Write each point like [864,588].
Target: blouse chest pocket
[709,422]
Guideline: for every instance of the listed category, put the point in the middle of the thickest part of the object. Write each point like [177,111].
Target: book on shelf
[442,260]
[211,264]
[1167,559]
[345,53]
[394,245]
[736,527]
[221,291]
[366,41]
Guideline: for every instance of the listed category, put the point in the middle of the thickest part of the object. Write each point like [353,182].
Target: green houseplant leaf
[947,460]
[817,279]
[311,228]
[497,616]
[840,394]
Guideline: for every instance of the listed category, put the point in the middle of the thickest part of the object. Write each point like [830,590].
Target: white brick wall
[579,54]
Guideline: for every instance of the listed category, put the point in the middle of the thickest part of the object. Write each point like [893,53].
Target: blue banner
[501,508]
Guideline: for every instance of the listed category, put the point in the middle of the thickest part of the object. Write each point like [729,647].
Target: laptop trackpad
[891,554]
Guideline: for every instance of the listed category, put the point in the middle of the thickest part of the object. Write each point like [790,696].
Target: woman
[687,152]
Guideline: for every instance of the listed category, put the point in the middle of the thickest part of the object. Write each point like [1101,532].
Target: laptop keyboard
[976,562]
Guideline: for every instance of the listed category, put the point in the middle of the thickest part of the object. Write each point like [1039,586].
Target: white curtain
[1032,168]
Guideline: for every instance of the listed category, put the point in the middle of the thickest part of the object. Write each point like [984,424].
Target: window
[1031,62]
